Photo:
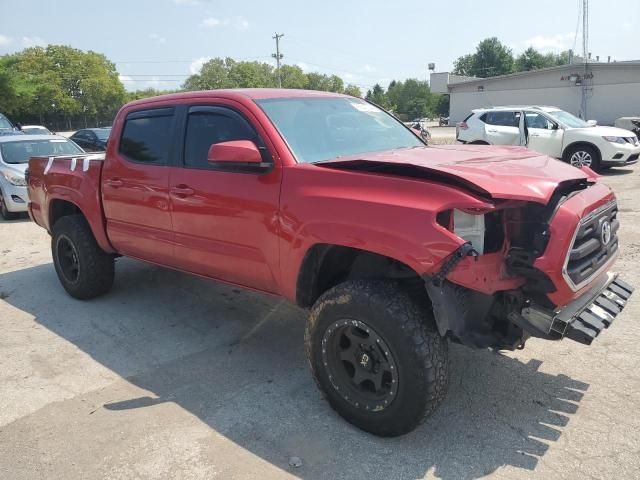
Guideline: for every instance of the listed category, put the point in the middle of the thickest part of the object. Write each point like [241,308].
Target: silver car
[15,152]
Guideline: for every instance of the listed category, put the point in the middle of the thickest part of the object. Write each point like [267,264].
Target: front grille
[596,241]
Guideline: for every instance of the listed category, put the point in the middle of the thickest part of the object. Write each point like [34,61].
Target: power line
[278,56]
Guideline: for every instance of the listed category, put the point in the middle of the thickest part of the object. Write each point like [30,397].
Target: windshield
[22,151]
[318,129]
[103,133]
[4,123]
[35,131]
[567,119]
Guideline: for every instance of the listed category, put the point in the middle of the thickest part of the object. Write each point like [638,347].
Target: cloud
[126,79]
[557,42]
[197,64]
[191,2]
[28,42]
[368,69]
[5,41]
[158,38]
[304,67]
[239,23]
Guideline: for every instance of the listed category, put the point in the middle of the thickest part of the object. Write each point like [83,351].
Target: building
[598,91]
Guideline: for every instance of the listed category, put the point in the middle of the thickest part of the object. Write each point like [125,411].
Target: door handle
[182,191]
[114,182]
[492,131]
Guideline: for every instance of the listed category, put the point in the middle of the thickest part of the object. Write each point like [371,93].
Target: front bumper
[619,155]
[583,319]
[15,197]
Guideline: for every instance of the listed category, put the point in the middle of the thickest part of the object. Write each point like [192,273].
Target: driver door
[543,135]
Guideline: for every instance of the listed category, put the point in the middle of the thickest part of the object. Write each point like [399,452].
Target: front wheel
[84,269]
[377,356]
[583,156]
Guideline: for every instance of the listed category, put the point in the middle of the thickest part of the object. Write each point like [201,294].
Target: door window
[535,120]
[146,136]
[501,118]
[213,125]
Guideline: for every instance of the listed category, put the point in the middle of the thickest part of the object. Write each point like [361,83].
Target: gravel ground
[171,376]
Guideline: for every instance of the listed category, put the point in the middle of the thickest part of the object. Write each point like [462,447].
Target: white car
[35,130]
[15,152]
[553,132]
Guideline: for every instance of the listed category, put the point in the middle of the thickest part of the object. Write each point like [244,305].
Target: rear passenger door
[504,127]
[135,185]
[542,136]
[225,217]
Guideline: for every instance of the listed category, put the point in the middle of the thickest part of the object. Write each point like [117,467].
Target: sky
[159,43]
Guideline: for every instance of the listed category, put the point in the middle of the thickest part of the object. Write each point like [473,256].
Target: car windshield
[319,129]
[103,133]
[35,131]
[21,151]
[4,123]
[567,119]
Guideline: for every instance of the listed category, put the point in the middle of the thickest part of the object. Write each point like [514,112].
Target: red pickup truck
[330,202]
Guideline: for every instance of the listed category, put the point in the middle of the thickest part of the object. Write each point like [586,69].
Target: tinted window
[505,119]
[206,128]
[146,136]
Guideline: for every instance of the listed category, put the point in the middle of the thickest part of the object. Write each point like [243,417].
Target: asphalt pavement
[173,376]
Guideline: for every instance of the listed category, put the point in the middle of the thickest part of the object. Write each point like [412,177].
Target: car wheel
[377,356]
[4,211]
[583,156]
[84,269]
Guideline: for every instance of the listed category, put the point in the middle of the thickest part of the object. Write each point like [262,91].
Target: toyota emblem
[606,233]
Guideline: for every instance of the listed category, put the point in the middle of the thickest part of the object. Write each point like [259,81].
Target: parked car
[553,132]
[7,128]
[35,130]
[330,202]
[15,151]
[92,139]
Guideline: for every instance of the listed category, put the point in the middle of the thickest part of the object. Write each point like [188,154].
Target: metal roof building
[598,91]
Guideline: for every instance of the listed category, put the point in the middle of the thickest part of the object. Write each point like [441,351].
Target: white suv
[553,132]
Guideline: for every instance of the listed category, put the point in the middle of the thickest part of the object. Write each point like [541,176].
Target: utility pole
[585,56]
[278,56]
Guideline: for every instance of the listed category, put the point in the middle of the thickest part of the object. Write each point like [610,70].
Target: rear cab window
[146,136]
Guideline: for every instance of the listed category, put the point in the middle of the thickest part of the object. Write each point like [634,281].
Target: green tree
[353,90]
[490,59]
[293,77]
[532,59]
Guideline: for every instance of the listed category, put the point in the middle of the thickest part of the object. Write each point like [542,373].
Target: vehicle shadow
[235,360]
[613,172]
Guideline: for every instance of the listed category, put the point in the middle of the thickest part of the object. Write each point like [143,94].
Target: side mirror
[554,126]
[236,151]
[592,123]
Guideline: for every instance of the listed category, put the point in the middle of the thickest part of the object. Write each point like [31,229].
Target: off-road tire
[6,214]
[592,151]
[95,266]
[408,329]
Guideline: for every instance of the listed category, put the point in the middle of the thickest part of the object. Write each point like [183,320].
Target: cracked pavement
[172,376]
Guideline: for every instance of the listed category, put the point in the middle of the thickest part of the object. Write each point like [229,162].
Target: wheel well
[325,266]
[478,142]
[61,208]
[573,145]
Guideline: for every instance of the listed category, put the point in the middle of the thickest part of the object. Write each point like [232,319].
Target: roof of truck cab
[252,93]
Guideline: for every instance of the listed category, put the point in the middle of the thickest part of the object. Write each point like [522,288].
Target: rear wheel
[376,356]
[583,156]
[4,211]
[84,269]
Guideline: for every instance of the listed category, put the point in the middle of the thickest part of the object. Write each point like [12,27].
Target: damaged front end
[527,269]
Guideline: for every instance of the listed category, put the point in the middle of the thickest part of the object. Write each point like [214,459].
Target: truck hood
[500,172]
